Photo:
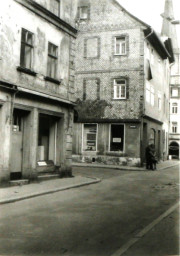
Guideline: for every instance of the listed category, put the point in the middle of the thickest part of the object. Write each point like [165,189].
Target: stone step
[47,177]
[18,182]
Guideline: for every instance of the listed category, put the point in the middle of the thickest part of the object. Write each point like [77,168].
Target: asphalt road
[95,220]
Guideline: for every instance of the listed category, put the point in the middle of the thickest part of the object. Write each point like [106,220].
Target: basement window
[117,137]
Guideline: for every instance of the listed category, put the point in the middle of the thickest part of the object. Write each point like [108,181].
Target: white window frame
[174,108]
[174,127]
[83,150]
[109,146]
[124,42]
[117,89]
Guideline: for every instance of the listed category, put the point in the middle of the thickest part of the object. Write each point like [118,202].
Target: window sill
[119,98]
[119,55]
[52,80]
[26,71]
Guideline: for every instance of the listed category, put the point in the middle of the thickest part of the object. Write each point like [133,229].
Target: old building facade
[169,30]
[37,52]
[122,75]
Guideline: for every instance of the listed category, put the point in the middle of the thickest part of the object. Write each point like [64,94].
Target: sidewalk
[160,166]
[17,193]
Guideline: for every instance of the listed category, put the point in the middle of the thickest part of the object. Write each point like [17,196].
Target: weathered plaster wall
[10,36]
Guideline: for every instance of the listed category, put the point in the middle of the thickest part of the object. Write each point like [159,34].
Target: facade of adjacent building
[37,49]
[122,77]
[169,30]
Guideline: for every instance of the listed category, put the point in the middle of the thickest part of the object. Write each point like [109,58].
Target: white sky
[149,11]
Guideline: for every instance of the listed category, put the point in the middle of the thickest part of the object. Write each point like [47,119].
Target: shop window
[120,45]
[26,55]
[55,7]
[119,89]
[52,60]
[116,137]
[174,108]
[90,137]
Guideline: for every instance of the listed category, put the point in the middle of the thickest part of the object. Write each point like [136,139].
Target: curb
[15,199]
[121,167]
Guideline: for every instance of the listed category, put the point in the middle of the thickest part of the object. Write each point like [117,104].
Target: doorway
[17,143]
[47,138]
[174,150]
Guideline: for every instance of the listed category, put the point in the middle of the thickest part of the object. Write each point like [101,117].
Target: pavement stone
[17,193]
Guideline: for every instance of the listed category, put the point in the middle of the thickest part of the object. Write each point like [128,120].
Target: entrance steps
[47,176]
[18,182]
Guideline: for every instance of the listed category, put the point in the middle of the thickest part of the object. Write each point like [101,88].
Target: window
[159,101]
[174,127]
[174,108]
[119,89]
[52,60]
[26,56]
[150,96]
[90,137]
[116,137]
[83,12]
[120,45]
[175,92]
[55,7]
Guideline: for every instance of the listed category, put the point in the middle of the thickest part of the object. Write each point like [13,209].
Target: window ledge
[52,80]
[26,71]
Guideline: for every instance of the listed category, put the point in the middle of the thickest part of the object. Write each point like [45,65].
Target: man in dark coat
[151,157]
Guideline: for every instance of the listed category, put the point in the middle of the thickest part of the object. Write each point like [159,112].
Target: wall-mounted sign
[117,140]
[133,127]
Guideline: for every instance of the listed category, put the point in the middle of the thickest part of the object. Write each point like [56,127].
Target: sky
[149,11]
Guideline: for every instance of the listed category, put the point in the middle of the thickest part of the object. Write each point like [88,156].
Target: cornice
[48,16]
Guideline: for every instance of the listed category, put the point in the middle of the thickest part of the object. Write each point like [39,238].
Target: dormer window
[83,12]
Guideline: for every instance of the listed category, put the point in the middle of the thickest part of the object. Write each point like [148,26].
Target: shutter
[127,89]
[84,89]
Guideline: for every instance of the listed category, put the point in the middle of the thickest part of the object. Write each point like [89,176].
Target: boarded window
[55,7]
[26,56]
[90,137]
[52,60]
[91,89]
[117,137]
[91,48]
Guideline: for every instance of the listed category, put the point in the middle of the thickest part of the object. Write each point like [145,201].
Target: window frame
[120,46]
[80,12]
[174,108]
[175,90]
[30,46]
[174,127]
[51,57]
[115,97]
[83,132]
